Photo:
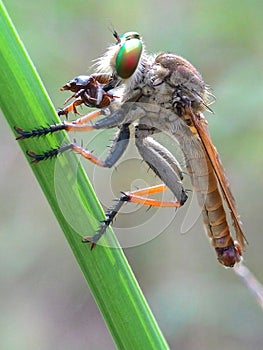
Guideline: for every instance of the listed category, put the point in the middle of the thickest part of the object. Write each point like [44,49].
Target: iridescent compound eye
[129,54]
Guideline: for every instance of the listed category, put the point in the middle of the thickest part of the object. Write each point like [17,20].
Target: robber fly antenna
[114,32]
[116,36]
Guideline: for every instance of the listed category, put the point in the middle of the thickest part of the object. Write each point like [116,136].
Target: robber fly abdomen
[209,198]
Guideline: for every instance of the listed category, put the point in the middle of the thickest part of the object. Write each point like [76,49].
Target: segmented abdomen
[209,198]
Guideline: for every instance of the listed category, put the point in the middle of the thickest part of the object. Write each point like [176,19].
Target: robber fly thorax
[160,93]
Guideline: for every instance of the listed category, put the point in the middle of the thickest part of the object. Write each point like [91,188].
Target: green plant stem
[25,103]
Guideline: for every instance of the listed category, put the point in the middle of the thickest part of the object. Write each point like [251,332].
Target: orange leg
[88,117]
[80,123]
[135,197]
[72,146]
[87,155]
[71,107]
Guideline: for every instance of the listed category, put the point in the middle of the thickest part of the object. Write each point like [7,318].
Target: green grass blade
[25,103]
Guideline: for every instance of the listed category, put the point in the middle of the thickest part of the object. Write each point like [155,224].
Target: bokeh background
[44,301]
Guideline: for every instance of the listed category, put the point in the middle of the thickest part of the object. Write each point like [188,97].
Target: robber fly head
[123,58]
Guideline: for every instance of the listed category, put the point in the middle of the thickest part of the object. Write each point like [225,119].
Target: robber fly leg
[164,164]
[110,215]
[161,161]
[82,124]
[139,197]
[77,125]
[117,148]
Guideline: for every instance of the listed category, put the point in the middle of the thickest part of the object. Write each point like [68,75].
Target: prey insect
[91,90]
[159,93]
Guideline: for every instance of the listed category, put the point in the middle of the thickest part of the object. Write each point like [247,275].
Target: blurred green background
[45,303]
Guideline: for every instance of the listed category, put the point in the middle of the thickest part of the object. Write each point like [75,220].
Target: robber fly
[159,93]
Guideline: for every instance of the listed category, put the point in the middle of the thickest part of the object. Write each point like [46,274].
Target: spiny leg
[116,119]
[166,167]
[138,197]
[113,120]
[117,148]
[164,164]
[160,160]
[77,125]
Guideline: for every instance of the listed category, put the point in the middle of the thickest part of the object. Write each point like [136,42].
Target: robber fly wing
[200,124]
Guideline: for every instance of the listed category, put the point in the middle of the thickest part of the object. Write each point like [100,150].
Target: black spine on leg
[110,215]
[23,134]
[52,153]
